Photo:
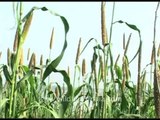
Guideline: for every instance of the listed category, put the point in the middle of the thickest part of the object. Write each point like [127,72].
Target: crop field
[104,91]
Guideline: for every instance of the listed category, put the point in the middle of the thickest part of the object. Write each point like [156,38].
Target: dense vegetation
[26,94]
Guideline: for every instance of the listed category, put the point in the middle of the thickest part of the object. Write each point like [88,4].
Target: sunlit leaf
[118,71]
[3,101]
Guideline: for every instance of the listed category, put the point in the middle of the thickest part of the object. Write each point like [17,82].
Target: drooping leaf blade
[78,90]
[134,27]
[67,99]
[56,61]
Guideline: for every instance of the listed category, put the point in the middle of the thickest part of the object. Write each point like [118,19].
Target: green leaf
[59,89]
[78,90]
[67,99]
[132,27]
[25,69]
[3,101]
[37,104]
[140,45]
[100,103]
[128,86]
[124,103]
[7,74]
[66,25]
[81,95]
[135,28]
[44,9]
[13,56]
[118,72]
[120,21]
[90,90]
[87,45]
[92,113]
[26,77]
[56,61]
[1,85]
[147,104]
[31,80]
[50,93]
[52,111]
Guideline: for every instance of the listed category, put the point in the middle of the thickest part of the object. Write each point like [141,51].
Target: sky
[85,22]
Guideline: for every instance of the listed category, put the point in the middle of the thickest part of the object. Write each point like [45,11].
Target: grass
[104,92]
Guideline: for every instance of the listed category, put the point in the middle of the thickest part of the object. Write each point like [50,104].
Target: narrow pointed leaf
[3,101]
[7,74]
[78,90]
[124,103]
[56,61]
[1,85]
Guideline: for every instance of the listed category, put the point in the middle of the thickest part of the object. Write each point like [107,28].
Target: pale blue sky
[84,22]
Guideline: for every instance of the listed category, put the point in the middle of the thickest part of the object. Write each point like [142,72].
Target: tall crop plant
[104,91]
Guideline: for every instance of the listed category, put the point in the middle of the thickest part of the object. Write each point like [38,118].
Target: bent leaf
[56,61]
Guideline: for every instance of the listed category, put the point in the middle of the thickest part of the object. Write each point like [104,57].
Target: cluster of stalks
[106,91]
